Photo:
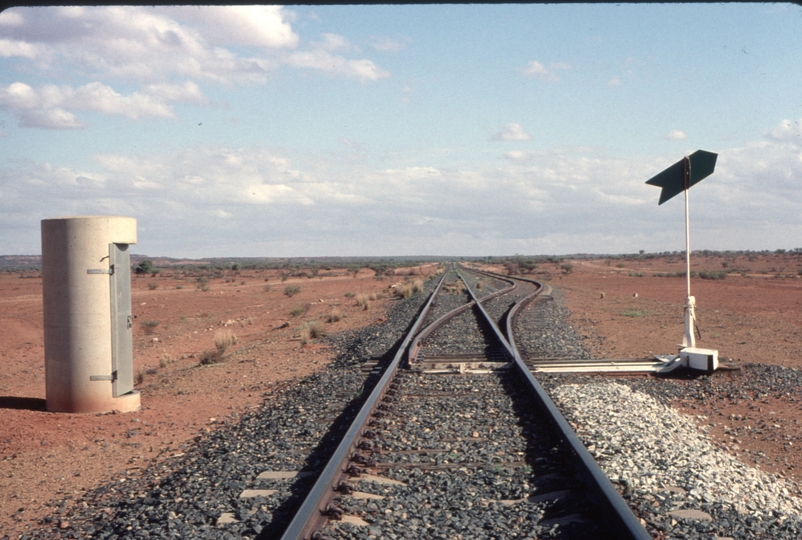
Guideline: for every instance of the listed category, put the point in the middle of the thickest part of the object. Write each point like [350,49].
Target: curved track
[481,455]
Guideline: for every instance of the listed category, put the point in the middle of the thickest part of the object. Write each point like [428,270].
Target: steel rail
[618,514]
[309,517]
[416,345]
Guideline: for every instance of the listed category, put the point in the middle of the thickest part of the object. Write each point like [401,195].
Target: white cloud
[543,72]
[517,155]
[12,47]
[511,132]
[787,130]
[408,91]
[258,201]
[54,118]
[156,44]
[258,26]
[333,42]
[337,65]
[387,44]
[676,135]
[614,81]
[49,106]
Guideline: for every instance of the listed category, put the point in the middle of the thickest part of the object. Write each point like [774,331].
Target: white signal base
[700,359]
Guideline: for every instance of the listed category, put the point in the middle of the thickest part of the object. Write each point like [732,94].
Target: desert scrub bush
[403,290]
[363,301]
[351,295]
[223,339]
[334,315]
[165,360]
[373,297]
[210,356]
[149,326]
[296,311]
[140,377]
[713,275]
[311,330]
[417,286]
[266,288]
[152,285]
[292,290]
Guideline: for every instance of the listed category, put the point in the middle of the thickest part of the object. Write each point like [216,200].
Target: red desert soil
[47,457]
[753,316]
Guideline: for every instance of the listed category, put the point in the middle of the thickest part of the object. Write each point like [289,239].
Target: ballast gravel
[661,457]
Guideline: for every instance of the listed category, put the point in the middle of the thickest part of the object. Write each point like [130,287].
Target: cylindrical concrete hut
[86,309]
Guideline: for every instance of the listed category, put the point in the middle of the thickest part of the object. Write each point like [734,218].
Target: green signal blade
[672,179]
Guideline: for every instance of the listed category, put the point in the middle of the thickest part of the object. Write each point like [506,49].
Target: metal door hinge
[109,271]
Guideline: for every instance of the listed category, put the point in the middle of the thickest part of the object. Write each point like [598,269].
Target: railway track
[484,454]
[456,456]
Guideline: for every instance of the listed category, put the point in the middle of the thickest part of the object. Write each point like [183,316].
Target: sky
[470,130]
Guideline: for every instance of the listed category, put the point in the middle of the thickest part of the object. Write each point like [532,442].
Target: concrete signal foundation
[87,322]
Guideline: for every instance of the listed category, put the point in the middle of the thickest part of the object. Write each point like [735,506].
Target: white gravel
[650,447]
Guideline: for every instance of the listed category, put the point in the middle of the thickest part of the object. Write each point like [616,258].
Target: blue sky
[402,130]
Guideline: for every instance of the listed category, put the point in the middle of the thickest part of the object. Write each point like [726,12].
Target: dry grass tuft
[403,290]
[291,290]
[334,315]
[223,339]
[210,356]
[150,326]
[363,301]
[311,330]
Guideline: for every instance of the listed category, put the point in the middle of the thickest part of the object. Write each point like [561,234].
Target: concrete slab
[354,520]
[362,495]
[251,493]
[378,480]
[226,518]
[691,514]
[282,475]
